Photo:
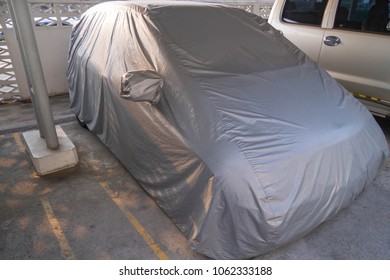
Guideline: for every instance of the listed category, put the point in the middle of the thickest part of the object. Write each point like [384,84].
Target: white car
[349,38]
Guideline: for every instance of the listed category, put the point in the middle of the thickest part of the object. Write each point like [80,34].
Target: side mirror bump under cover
[143,85]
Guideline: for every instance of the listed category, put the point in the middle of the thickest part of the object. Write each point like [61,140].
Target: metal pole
[29,49]
[26,70]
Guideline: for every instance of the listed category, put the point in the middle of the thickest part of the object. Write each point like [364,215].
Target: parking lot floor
[97,211]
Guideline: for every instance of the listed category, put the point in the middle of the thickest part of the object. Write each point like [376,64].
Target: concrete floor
[97,211]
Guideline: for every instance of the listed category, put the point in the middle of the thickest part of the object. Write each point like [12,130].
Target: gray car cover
[240,138]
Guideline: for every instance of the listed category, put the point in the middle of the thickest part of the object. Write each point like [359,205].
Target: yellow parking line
[66,250]
[136,224]
[19,142]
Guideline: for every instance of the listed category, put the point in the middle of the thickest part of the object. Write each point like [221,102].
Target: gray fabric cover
[242,140]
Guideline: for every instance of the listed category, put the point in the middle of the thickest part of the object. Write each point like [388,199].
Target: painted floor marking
[136,224]
[19,142]
[66,250]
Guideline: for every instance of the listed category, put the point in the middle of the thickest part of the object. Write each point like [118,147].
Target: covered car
[240,138]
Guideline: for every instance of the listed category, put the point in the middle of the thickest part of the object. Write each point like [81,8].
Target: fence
[52,21]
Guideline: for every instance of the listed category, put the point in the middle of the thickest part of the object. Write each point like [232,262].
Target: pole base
[47,160]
